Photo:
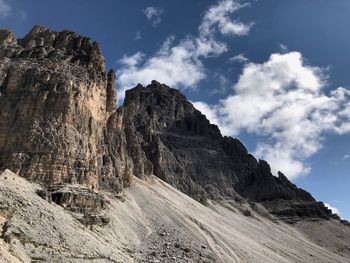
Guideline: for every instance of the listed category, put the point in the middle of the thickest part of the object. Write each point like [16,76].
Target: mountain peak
[43,43]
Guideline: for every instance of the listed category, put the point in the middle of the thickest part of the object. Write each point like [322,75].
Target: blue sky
[272,73]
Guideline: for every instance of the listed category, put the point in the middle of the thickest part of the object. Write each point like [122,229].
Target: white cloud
[5,9]
[282,158]
[176,65]
[282,101]
[133,60]
[240,58]
[346,156]
[180,63]
[153,14]
[218,17]
[333,209]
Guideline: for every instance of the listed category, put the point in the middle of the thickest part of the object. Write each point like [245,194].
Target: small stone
[187,249]
[167,245]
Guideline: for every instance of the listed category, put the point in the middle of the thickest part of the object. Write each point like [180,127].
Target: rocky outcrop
[179,145]
[172,139]
[55,103]
[59,126]
[75,198]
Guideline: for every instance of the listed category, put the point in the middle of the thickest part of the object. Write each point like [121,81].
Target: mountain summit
[80,157]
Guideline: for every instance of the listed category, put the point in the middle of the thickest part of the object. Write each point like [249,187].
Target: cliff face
[59,125]
[181,147]
[55,102]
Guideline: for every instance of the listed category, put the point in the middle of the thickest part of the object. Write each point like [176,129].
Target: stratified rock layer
[56,100]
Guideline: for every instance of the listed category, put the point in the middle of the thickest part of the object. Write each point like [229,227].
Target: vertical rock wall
[55,102]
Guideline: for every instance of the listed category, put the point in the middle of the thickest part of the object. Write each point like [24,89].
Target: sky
[272,73]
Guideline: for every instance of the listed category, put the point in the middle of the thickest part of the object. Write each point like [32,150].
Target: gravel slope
[151,222]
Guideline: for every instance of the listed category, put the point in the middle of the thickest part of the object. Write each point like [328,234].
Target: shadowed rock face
[59,125]
[189,153]
[184,149]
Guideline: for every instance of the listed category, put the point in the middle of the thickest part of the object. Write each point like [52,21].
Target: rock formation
[59,126]
[181,147]
[56,99]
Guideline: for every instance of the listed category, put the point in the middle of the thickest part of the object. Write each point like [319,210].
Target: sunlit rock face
[55,102]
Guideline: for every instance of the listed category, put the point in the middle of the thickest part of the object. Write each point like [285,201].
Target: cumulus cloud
[283,102]
[5,9]
[240,58]
[133,60]
[180,63]
[153,14]
[177,65]
[333,209]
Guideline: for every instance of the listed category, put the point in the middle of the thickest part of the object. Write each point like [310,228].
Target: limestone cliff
[55,102]
[59,126]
